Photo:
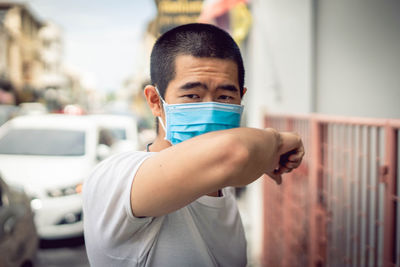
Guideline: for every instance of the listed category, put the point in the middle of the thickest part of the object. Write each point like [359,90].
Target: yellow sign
[241,22]
[172,13]
[182,7]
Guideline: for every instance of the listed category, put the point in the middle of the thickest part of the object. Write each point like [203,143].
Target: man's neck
[159,144]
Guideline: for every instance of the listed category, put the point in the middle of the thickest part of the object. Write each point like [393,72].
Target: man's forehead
[189,57]
[187,64]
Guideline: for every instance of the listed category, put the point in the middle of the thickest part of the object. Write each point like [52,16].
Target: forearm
[270,152]
[261,149]
[178,175]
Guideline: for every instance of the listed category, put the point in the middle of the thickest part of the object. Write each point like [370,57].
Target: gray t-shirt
[207,232]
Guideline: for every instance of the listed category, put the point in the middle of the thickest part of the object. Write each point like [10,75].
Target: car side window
[1,195]
[106,137]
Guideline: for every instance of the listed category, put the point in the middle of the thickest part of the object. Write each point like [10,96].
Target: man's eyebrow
[228,87]
[191,85]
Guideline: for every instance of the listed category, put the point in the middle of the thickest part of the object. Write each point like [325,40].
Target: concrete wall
[358,58]
[278,77]
[335,57]
[279,58]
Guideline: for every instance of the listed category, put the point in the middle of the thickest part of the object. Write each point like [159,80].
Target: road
[62,253]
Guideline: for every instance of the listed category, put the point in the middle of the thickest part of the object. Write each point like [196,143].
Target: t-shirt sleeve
[108,217]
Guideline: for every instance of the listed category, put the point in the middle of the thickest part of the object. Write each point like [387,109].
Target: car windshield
[118,133]
[43,142]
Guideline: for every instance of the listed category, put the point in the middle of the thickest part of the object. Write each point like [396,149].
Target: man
[172,205]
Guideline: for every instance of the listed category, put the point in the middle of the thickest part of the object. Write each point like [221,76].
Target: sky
[101,37]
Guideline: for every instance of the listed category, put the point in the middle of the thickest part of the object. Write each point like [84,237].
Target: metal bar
[341,195]
[382,186]
[323,191]
[377,196]
[287,203]
[348,193]
[353,210]
[390,191]
[265,196]
[315,133]
[359,174]
[364,202]
[285,222]
[336,194]
[372,196]
[397,205]
[345,180]
[333,209]
[330,223]
[368,196]
[264,246]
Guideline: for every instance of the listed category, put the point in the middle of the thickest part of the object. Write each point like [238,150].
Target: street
[62,253]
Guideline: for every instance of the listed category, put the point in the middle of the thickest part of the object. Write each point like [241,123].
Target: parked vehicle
[32,108]
[49,156]
[7,112]
[18,236]
[117,131]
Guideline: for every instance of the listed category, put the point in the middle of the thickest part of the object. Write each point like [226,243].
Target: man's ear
[153,100]
[244,91]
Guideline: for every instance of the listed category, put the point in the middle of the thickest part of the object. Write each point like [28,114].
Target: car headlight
[66,191]
[36,204]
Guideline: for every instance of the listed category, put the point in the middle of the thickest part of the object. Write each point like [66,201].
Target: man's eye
[192,96]
[225,97]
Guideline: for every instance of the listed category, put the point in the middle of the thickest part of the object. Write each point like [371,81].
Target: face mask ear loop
[159,95]
[162,124]
[159,118]
[163,103]
[165,130]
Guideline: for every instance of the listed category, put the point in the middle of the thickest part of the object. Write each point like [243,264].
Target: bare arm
[182,173]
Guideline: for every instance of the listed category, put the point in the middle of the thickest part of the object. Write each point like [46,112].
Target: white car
[32,108]
[117,131]
[49,156]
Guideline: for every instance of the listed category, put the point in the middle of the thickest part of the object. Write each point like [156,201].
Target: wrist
[277,138]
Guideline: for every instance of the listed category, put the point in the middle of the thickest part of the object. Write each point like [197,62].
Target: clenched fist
[289,157]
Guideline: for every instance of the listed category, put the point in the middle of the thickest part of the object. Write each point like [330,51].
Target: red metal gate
[340,208]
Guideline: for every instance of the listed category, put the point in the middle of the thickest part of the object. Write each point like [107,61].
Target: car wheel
[27,264]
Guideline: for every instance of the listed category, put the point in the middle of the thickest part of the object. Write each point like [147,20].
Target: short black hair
[197,40]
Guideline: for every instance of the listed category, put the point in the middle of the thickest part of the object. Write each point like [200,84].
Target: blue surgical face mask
[184,121]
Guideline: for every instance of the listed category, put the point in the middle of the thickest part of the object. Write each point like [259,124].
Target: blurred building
[51,54]
[31,61]
[60,85]
[20,61]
